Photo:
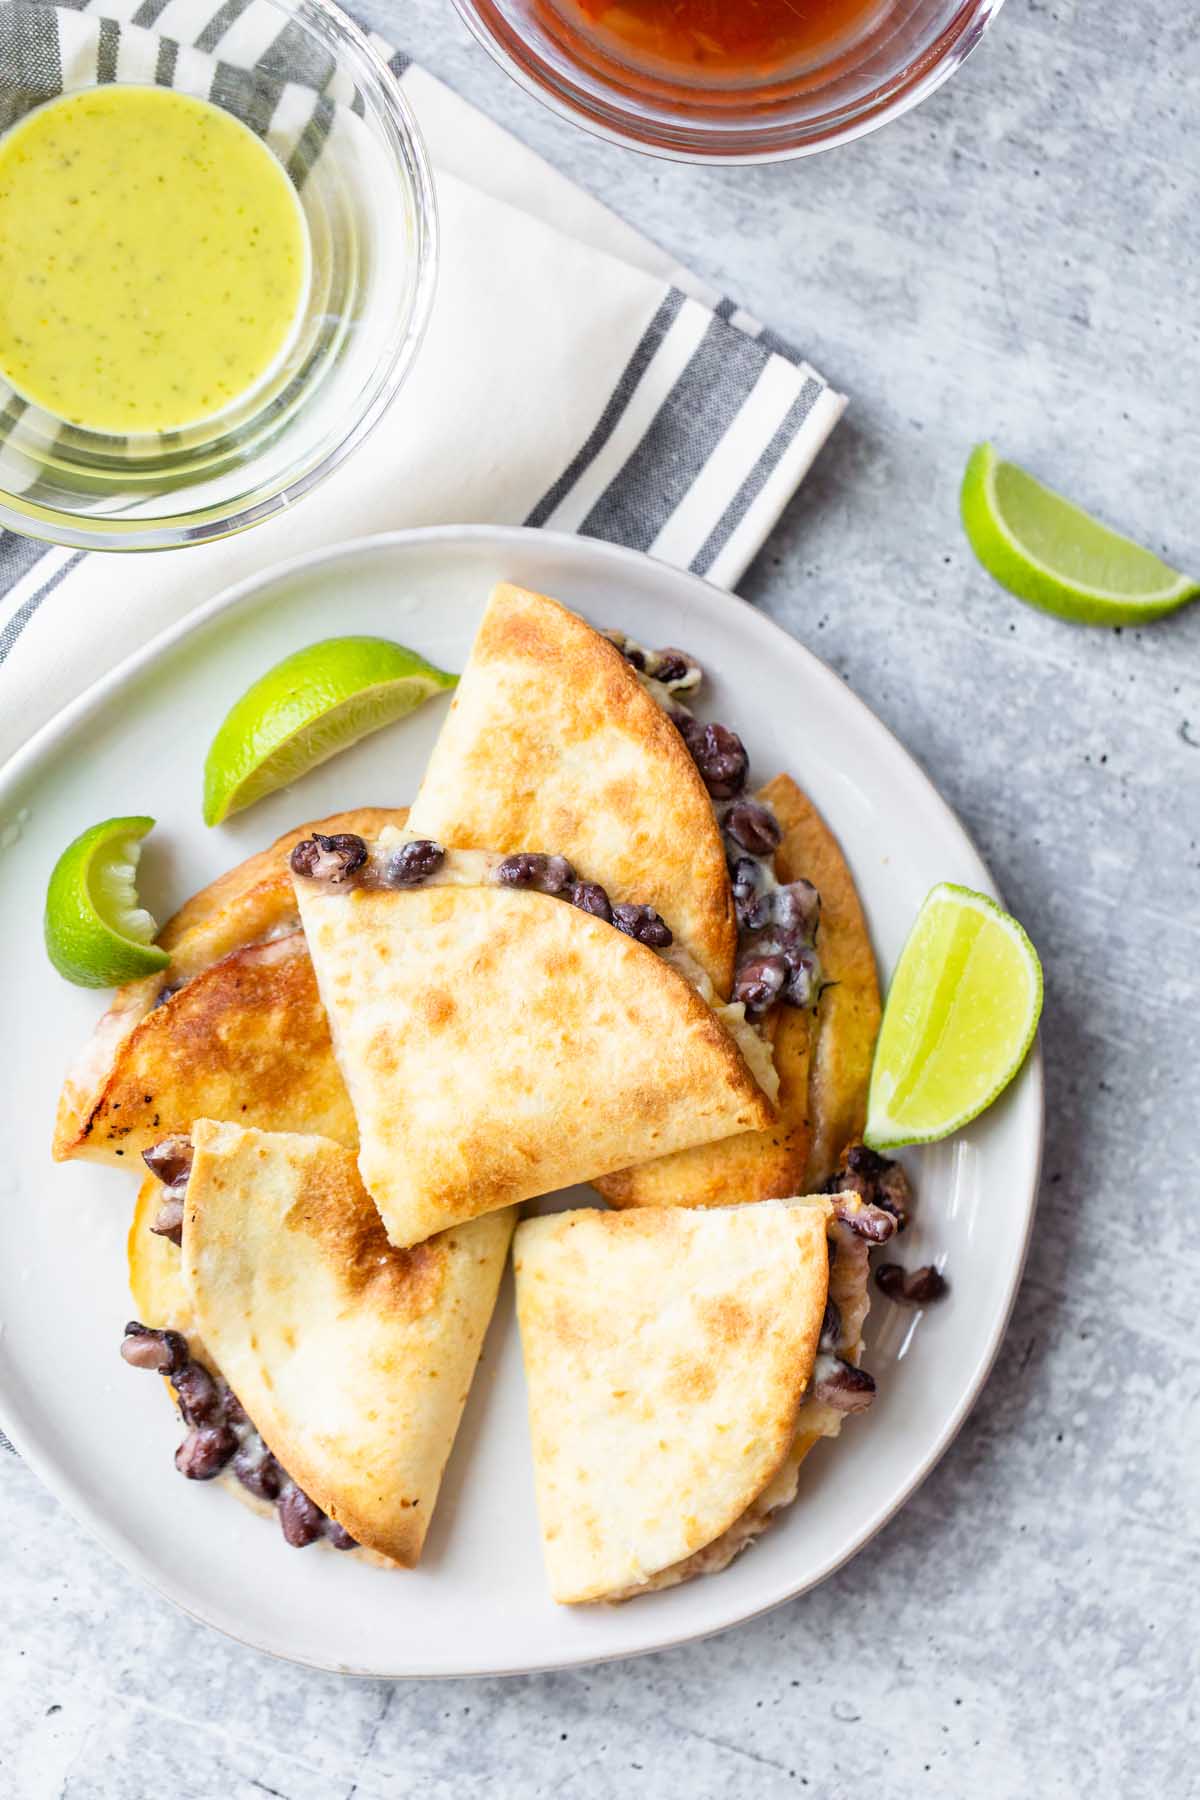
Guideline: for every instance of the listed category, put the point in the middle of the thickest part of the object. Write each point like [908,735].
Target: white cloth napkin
[572,377]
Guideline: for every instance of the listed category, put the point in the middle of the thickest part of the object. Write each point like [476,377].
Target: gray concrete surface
[1018,260]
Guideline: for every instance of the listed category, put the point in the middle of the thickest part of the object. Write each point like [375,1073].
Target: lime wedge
[308,707]
[961,1014]
[97,935]
[1052,554]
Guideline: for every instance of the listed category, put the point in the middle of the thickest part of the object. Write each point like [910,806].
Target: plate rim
[97,694]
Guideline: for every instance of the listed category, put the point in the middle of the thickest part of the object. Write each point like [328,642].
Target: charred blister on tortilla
[421,862]
[777,961]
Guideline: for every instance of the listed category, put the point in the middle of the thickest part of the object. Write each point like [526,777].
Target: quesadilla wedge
[232,1029]
[679,1364]
[553,743]
[287,1320]
[822,1055]
[499,1039]
[562,736]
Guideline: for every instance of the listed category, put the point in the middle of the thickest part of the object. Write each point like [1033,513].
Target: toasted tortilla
[497,1044]
[823,1060]
[353,1359]
[850,1293]
[242,1034]
[160,1296]
[667,1353]
[590,768]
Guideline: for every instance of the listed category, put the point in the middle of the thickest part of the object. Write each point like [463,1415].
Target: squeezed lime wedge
[97,933]
[1049,552]
[314,703]
[961,1013]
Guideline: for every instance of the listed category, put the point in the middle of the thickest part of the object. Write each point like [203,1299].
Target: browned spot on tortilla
[332,1207]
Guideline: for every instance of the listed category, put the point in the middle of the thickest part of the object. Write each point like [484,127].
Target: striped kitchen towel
[572,376]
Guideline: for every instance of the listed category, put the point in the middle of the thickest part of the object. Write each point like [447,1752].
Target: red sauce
[721,40]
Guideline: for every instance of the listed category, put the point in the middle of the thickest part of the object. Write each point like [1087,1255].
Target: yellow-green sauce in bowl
[154,259]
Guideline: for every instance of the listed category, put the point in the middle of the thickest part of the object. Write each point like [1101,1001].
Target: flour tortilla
[553,744]
[354,1360]
[243,1038]
[823,1060]
[667,1353]
[498,1043]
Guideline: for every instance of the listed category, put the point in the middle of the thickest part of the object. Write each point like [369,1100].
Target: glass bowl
[889,58]
[345,134]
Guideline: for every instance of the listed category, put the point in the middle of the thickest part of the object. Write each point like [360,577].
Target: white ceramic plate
[100,1434]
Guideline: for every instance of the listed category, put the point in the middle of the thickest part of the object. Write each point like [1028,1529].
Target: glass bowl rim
[924,74]
[82,531]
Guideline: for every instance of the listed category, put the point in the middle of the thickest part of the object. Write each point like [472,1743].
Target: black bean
[529,869]
[204,1452]
[750,903]
[796,908]
[258,1471]
[590,897]
[168,1220]
[874,1223]
[300,1519]
[414,863]
[633,656]
[164,1352]
[916,1288]
[831,1327]
[754,827]
[235,1412]
[199,1398]
[840,1385]
[863,1161]
[643,924]
[170,1160]
[332,859]
[879,1181]
[803,985]
[720,756]
[894,1191]
[339,1537]
[670,664]
[758,982]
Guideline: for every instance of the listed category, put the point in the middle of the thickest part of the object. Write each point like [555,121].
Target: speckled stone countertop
[1020,259]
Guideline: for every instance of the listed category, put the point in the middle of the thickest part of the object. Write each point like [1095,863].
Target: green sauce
[154,259]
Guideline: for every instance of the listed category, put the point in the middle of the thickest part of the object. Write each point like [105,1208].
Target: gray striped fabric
[635,474]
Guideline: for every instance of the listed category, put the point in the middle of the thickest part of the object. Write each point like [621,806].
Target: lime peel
[303,710]
[97,932]
[961,1014]
[1053,555]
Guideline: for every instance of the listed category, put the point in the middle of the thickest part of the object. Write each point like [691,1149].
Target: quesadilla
[822,1055]
[679,1364]
[323,1369]
[232,1029]
[564,737]
[501,1039]
[553,743]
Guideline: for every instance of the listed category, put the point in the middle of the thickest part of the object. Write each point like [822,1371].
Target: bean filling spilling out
[874,1198]
[777,925]
[220,1435]
[345,862]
